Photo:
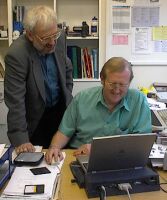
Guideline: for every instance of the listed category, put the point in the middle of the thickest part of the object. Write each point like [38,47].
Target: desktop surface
[71,191]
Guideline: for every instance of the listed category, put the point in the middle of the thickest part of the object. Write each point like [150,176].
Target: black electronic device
[40,170]
[77,29]
[141,180]
[115,160]
[29,158]
[78,174]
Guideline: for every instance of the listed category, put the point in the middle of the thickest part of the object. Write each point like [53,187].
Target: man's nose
[52,41]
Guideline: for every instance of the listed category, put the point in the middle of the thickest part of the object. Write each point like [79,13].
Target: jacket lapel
[38,75]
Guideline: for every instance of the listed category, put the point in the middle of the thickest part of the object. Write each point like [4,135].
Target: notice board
[137,31]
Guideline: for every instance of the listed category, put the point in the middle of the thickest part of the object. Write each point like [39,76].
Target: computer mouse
[55,162]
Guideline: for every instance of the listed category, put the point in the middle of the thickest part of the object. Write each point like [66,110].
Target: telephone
[161,91]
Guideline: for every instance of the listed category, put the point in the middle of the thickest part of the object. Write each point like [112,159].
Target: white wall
[144,76]
[78,86]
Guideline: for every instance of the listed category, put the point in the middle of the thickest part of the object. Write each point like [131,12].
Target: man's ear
[102,80]
[29,35]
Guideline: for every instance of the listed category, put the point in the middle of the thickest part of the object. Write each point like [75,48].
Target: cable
[127,190]
[102,191]
[162,187]
[162,183]
[125,187]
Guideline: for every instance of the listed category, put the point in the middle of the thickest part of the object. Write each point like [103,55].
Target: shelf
[86,80]
[82,38]
[4,38]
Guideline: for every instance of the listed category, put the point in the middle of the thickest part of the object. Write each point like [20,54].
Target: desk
[71,191]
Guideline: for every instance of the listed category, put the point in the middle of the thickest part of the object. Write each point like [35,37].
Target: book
[95,62]
[74,62]
[79,62]
[74,53]
[87,62]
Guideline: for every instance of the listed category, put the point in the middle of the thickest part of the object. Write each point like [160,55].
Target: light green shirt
[88,116]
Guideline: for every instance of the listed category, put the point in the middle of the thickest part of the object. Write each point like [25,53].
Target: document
[2,149]
[23,176]
[157,155]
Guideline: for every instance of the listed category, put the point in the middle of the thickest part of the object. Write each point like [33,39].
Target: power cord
[102,192]
[125,187]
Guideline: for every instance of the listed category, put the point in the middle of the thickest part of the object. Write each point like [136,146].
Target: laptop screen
[120,152]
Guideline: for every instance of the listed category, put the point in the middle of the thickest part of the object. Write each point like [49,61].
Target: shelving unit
[70,11]
[73,12]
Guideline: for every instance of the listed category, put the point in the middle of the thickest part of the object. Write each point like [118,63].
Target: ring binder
[6,168]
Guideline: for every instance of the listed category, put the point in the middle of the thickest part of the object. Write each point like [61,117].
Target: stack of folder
[23,176]
[6,167]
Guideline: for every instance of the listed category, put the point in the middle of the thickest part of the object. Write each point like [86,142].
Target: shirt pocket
[109,130]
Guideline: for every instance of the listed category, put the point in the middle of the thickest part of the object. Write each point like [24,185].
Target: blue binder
[6,166]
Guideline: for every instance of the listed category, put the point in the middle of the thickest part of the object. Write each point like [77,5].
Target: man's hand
[27,147]
[84,149]
[53,154]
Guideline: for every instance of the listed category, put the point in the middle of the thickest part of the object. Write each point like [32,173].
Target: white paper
[145,16]
[2,148]
[155,105]
[142,40]
[158,151]
[121,19]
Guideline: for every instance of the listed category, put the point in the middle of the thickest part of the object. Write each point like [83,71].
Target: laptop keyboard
[163,114]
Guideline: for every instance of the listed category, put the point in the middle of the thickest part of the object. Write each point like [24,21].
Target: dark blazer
[24,89]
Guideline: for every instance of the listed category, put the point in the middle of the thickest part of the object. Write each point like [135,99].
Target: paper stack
[157,155]
[23,176]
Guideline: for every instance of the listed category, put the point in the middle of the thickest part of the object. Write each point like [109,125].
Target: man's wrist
[54,146]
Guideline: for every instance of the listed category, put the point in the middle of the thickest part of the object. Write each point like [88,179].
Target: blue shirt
[88,116]
[50,73]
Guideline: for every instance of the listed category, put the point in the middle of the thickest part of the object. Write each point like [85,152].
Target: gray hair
[116,64]
[39,15]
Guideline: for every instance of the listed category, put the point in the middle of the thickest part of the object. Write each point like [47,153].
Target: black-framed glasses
[47,39]
[117,85]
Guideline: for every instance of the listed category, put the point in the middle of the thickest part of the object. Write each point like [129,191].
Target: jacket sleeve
[65,68]
[69,70]
[14,94]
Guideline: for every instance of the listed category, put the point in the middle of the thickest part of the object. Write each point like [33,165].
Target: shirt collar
[123,103]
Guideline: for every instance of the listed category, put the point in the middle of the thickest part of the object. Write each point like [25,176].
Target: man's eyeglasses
[47,39]
[117,85]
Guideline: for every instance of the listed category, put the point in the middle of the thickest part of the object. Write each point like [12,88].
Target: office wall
[147,67]
[144,75]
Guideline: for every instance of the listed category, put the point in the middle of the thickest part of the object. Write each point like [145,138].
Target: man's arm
[14,94]
[83,150]
[143,118]
[69,70]
[69,74]
[59,141]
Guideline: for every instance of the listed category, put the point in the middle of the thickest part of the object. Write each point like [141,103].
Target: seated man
[105,110]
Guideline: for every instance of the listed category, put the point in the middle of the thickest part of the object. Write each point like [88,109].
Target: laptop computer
[118,152]
[159,119]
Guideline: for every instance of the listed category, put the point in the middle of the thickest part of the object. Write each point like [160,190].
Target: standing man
[110,109]
[38,81]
